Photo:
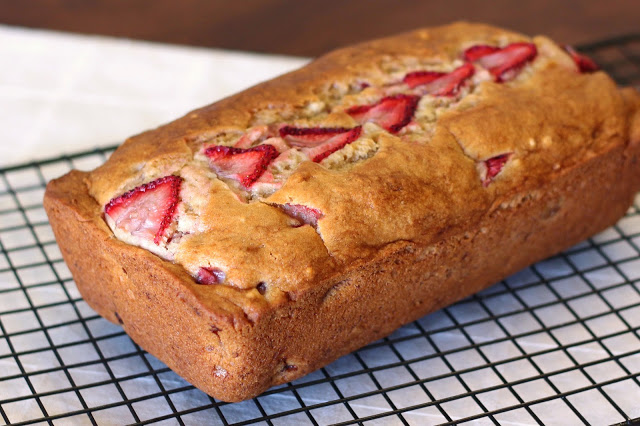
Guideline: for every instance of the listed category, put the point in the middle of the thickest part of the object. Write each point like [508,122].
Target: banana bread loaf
[257,239]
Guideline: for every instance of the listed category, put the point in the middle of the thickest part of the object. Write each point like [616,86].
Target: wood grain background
[311,27]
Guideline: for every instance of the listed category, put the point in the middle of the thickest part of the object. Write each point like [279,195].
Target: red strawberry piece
[391,113]
[320,142]
[242,165]
[252,136]
[310,136]
[504,63]
[331,145]
[304,214]
[493,166]
[148,210]
[210,276]
[440,83]
[278,143]
[476,52]
[418,78]
[585,64]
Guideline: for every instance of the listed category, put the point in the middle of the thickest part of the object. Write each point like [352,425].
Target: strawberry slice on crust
[242,165]
[418,78]
[331,145]
[503,63]
[491,167]
[584,63]
[148,210]
[476,52]
[318,142]
[210,276]
[440,83]
[278,143]
[304,214]
[308,137]
[391,113]
[251,136]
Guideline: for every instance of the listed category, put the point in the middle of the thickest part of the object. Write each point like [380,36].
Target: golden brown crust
[394,228]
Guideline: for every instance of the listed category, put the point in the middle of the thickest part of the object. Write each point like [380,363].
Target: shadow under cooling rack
[556,343]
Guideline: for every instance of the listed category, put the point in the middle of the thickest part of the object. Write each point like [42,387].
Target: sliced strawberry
[148,210]
[391,113]
[491,167]
[278,143]
[322,151]
[417,78]
[242,165]
[320,142]
[304,214]
[504,63]
[251,136]
[309,136]
[210,276]
[585,64]
[440,83]
[476,52]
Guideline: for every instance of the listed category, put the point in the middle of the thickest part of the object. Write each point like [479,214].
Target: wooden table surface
[311,27]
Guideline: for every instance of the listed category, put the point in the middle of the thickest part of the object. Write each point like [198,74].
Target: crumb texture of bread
[257,239]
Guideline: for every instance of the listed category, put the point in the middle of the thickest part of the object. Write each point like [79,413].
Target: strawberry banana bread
[259,238]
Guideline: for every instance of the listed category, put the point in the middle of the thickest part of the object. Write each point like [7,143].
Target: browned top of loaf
[551,119]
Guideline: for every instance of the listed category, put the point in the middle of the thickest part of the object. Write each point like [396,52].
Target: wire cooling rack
[557,343]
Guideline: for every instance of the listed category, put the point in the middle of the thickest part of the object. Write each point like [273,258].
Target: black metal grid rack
[558,342]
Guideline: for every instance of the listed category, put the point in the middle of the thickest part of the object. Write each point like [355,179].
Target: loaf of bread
[257,239]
